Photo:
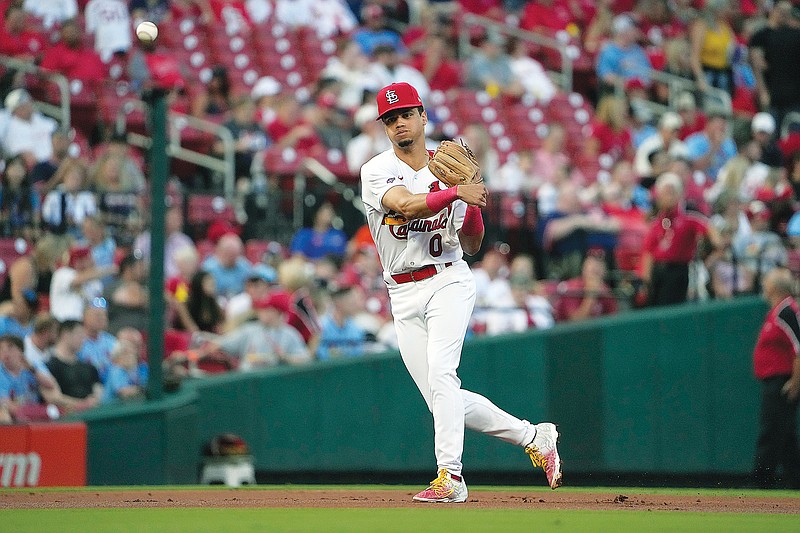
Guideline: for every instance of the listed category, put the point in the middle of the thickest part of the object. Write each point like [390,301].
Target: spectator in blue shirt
[622,59]
[228,266]
[21,389]
[99,343]
[102,245]
[19,321]
[124,381]
[710,149]
[322,238]
[341,336]
[375,33]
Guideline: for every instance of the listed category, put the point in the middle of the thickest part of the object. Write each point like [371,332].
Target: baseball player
[422,228]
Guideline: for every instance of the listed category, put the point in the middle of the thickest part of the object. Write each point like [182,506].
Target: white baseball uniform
[432,310]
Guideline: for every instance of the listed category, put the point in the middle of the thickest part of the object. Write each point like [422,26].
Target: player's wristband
[438,200]
[473,221]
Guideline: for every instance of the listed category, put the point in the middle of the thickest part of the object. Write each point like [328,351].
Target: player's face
[405,126]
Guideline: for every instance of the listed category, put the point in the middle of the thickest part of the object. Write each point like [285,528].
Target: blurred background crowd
[615,190]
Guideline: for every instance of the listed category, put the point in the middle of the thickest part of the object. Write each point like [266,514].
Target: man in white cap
[263,94]
[666,140]
[27,132]
[763,129]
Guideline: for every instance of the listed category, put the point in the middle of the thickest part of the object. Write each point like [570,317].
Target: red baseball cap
[77,253]
[397,96]
[279,301]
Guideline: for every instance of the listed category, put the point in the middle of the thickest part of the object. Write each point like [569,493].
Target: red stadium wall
[43,455]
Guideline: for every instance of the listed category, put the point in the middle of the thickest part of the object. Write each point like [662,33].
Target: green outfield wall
[658,391]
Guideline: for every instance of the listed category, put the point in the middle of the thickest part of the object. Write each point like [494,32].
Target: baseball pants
[431,318]
[777,436]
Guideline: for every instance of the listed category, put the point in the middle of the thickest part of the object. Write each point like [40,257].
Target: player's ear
[424,116]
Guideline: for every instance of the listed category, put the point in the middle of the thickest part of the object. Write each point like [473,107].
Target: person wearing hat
[27,132]
[256,287]
[666,141]
[422,229]
[76,283]
[622,58]
[264,93]
[760,250]
[265,342]
[763,129]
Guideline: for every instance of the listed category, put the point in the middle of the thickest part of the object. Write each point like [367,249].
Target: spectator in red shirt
[290,129]
[72,58]
[670,243]
[441,71]
[588,295]
[610,132]
[16,40]
[776,363]
[551,15]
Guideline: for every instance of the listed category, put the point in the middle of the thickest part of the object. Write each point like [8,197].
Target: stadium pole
[157,156]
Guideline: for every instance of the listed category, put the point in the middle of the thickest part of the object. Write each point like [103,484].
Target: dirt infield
[385,498]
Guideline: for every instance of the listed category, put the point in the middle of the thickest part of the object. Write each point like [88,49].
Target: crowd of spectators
[696,203]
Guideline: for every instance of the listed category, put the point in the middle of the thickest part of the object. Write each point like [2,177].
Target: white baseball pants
[431,318]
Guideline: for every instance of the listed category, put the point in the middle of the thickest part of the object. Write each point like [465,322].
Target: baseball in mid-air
[147,31]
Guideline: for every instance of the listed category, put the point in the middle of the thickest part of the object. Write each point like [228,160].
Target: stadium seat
[205,208]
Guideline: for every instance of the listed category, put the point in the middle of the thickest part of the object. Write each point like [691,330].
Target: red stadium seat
[206,208]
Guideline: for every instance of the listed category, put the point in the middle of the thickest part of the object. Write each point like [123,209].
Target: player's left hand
[791,389]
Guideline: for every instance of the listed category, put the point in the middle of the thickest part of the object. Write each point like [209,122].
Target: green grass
[425,518]
[383,520]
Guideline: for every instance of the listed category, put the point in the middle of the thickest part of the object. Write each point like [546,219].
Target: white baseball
[147,31]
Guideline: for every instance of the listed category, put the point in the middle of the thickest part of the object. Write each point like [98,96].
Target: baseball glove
[454,164]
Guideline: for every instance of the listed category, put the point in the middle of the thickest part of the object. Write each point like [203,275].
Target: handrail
[177,123]
[327,177]
[564,77]
[679,84]
[788,120]
[60,112]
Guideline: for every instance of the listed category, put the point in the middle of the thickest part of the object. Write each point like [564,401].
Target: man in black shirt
[775,57]
[80,382]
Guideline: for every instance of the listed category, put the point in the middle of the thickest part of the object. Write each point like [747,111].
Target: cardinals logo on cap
[397,96]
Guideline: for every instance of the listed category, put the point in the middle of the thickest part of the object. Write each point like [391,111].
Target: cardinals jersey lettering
[405,245]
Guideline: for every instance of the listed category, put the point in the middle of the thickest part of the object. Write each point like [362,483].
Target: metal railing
[60,112]
[720,99]
[788,120]
[562,78]
[324,174]
[176,123]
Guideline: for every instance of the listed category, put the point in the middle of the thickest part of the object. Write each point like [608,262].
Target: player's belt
[418,274]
